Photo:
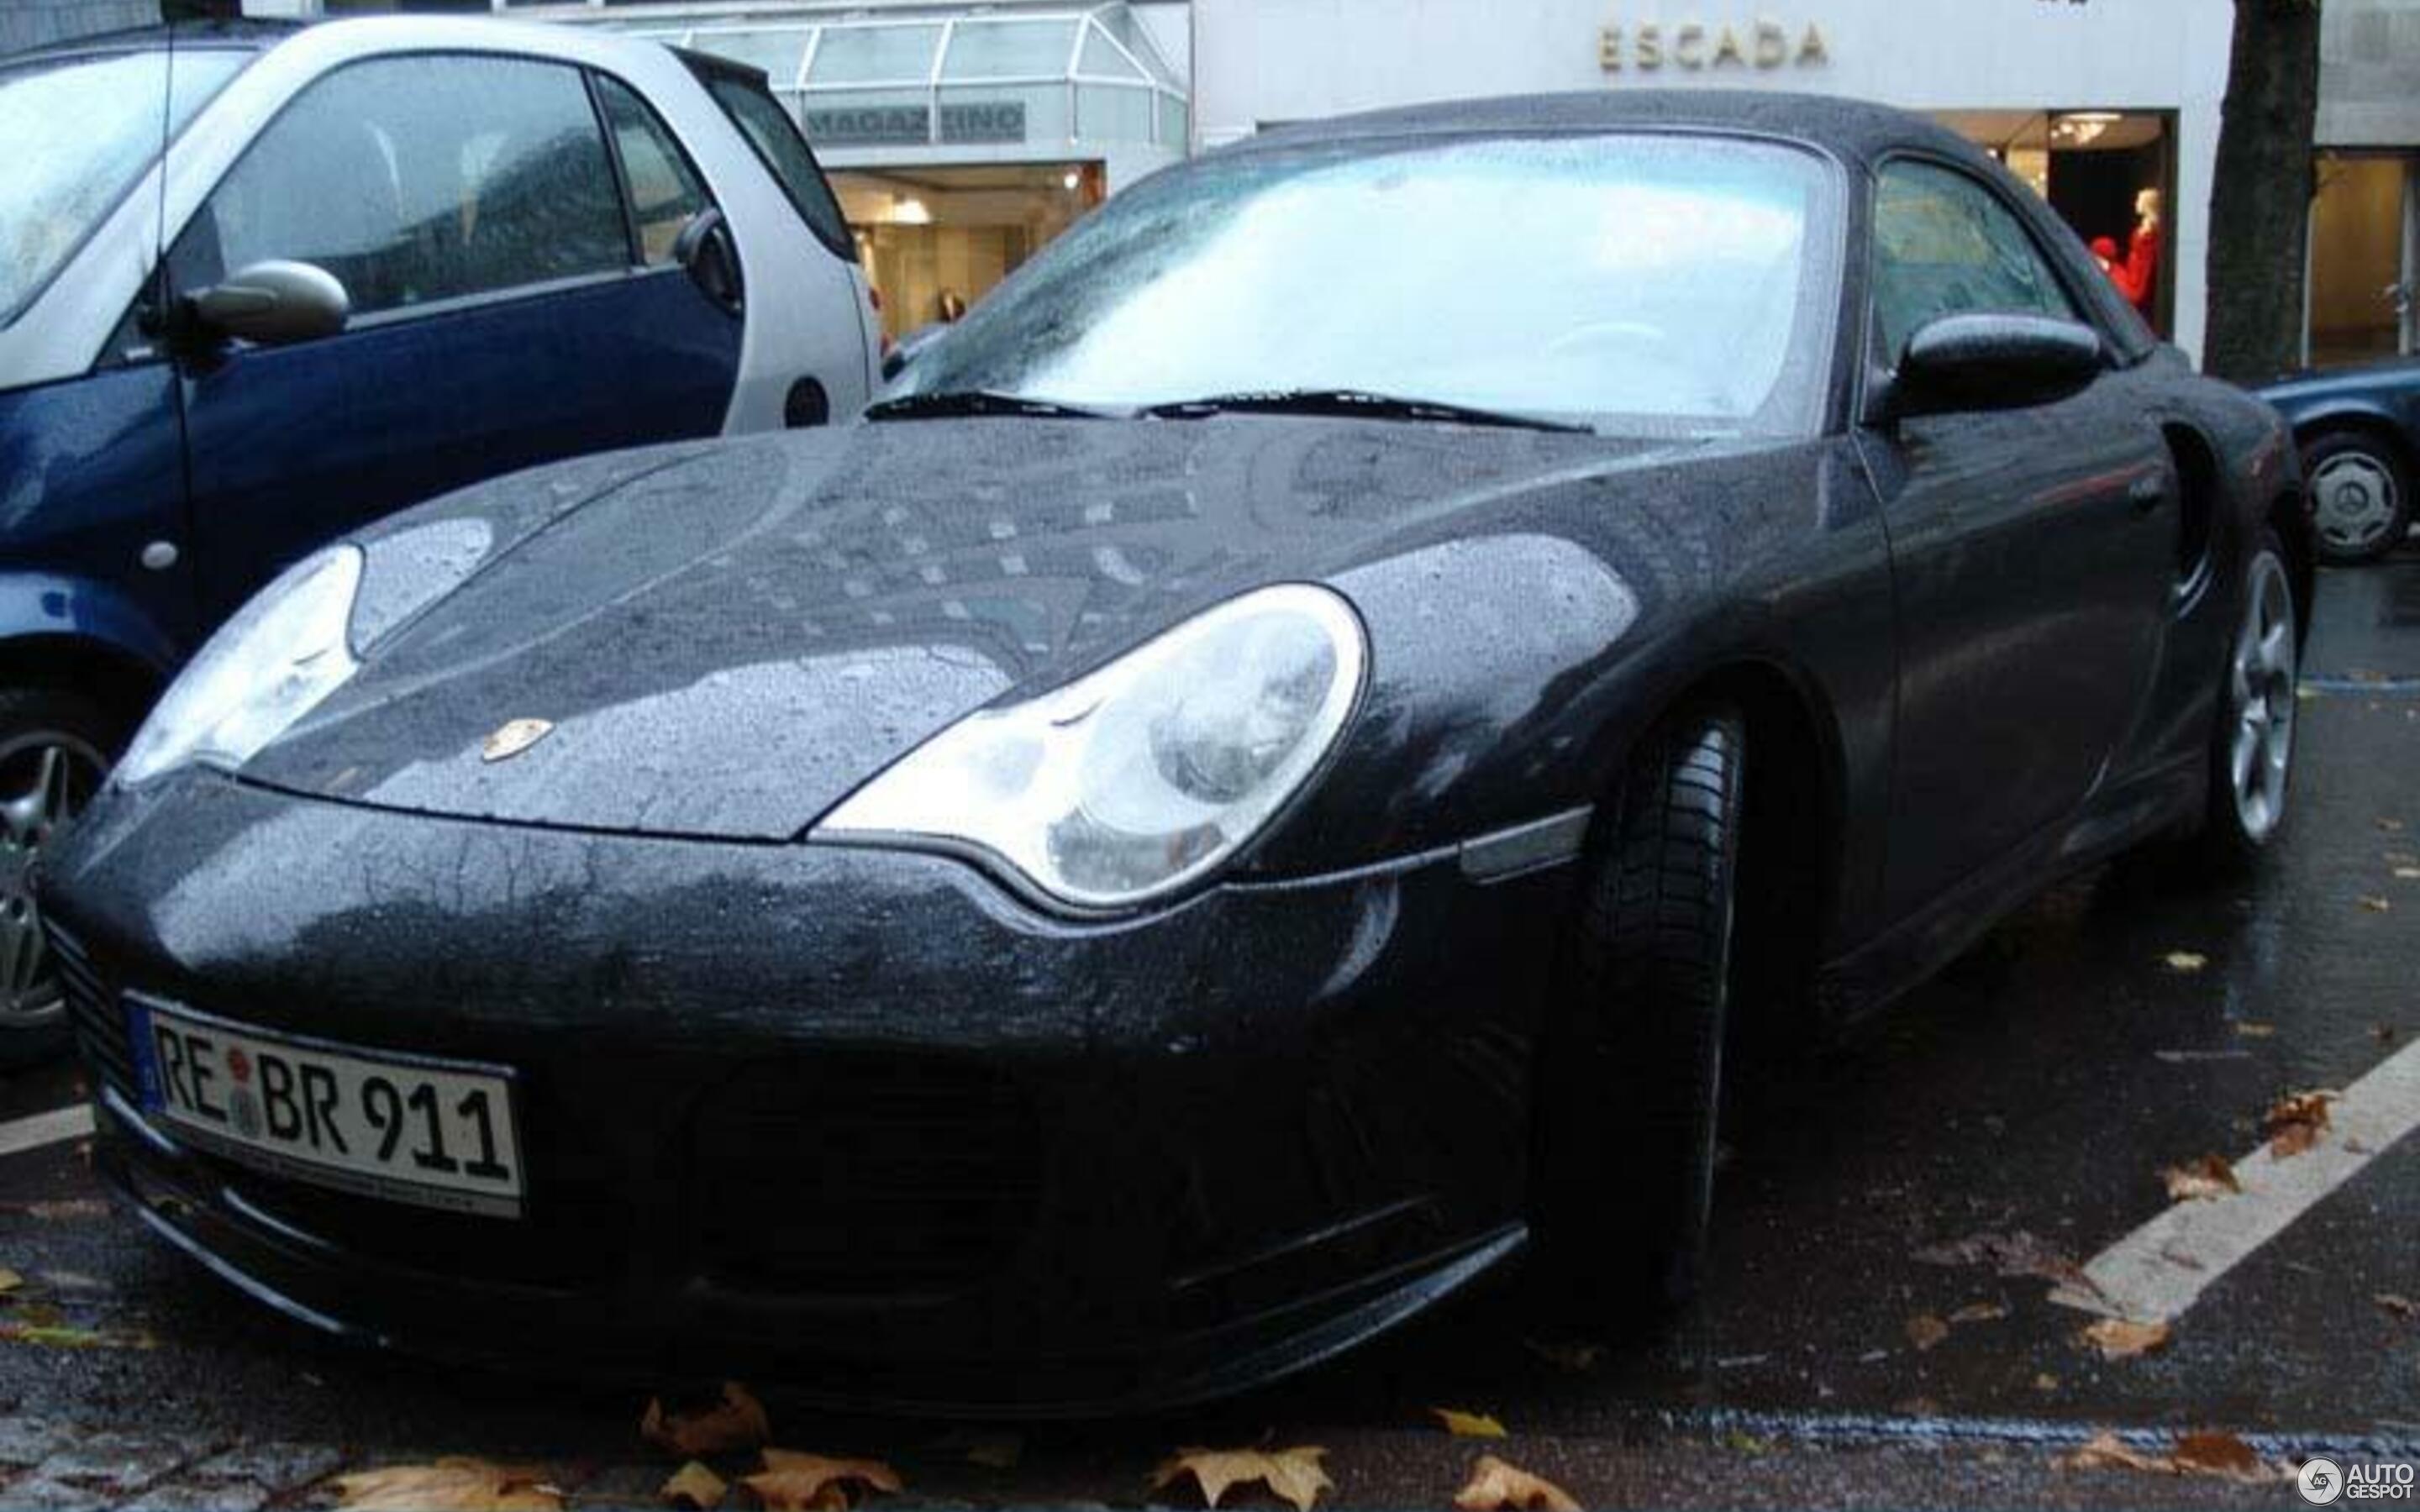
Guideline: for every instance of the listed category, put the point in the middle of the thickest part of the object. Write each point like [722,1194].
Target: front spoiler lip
[1238,1355]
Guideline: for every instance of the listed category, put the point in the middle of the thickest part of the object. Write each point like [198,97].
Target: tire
[55,746]
[2251,741]
[2362,494]
[1629,1079]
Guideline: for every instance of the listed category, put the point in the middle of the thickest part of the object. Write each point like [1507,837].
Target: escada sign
[1764,44]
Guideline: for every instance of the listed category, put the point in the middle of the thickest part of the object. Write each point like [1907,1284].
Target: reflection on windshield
[1666,279]
[79,129]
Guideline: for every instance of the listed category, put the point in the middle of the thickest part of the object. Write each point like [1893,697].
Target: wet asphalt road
[2038,1089]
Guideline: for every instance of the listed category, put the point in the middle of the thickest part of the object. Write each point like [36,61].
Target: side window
[421,178]
[665,191]
[1945,245]
[770,129]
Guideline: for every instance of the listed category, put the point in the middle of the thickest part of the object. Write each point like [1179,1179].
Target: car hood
[726,642]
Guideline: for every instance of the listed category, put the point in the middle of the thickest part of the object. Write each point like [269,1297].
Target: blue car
[262,284]
[2359,430]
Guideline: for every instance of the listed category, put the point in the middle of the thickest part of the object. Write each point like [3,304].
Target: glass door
[2361,285]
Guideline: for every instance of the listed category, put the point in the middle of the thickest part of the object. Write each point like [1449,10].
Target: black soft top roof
[1855,130]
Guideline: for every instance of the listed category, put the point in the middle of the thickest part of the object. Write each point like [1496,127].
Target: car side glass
[1944,245]
[663,187]
[785,154]
[418,180]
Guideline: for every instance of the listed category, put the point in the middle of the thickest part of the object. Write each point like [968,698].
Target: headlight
[272,664]
[1130,782]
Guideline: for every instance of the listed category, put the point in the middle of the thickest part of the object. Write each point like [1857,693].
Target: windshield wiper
[1350,403]
[979,402]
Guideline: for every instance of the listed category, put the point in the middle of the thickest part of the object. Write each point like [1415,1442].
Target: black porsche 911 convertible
[1250,791]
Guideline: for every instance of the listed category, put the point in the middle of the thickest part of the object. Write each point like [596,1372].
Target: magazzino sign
[1762,43]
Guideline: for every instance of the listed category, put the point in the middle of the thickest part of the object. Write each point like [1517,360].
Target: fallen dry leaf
[1979,1312]
[2220,1455]
[513,737]
[2011,1254]
[51,1336]
[1923,1331]
[2401,1306]
[2208,1177]
[2295,1121]
[1566,1355]
[695,1486]
[1497,1487]
[9,1281]
[2247,1029]
[451,1485]
[1467,1424]
[1292,1474]
[795,1482]
[2121,1339]
[2186,960]
[2107,1451]
[51,1212]
[737,1422]
[2044,1380]
[2375,904]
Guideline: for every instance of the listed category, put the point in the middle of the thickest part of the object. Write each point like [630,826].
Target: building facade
[35,22]
[2364,251]
[963,136]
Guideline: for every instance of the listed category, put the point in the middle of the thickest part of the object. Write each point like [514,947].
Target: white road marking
[45,1128]
[2157,1271]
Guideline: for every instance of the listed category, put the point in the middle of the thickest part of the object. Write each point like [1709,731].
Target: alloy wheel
[2355,494]
[2261,686]
[46,778]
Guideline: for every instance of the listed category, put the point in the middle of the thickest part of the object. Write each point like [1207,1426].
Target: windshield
[1656,283]
[80,130]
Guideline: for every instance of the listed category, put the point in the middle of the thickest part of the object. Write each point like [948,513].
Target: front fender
[51,608]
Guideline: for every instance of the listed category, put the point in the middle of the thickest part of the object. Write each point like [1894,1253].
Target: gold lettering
[1810,47]
[1608,50]
[1688,49]
[1727,48]
[1649,50]
[1771,43]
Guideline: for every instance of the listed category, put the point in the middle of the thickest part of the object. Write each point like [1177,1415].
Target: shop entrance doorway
[2364,230]
[934,241]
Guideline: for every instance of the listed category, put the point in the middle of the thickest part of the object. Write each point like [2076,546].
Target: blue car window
[665,191]
[420,179]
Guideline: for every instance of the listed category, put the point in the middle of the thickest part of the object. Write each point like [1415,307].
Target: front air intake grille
[92,1010]
[864,1175]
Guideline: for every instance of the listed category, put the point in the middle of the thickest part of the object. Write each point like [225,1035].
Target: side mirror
[706,249]
[1992,362]
[275,303]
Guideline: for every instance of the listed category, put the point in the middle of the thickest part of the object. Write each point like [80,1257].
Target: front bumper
[860,1118]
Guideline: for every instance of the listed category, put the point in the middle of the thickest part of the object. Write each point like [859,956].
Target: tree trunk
[2260,202]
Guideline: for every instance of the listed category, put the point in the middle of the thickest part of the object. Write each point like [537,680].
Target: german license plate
[405,1127]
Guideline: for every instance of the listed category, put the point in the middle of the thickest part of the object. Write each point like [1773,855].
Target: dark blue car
[2359,430]
[347,268]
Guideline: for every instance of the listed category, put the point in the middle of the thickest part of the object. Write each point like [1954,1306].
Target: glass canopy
[996,77]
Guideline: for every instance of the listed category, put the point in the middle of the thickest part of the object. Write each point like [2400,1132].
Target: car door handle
[2146,491]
